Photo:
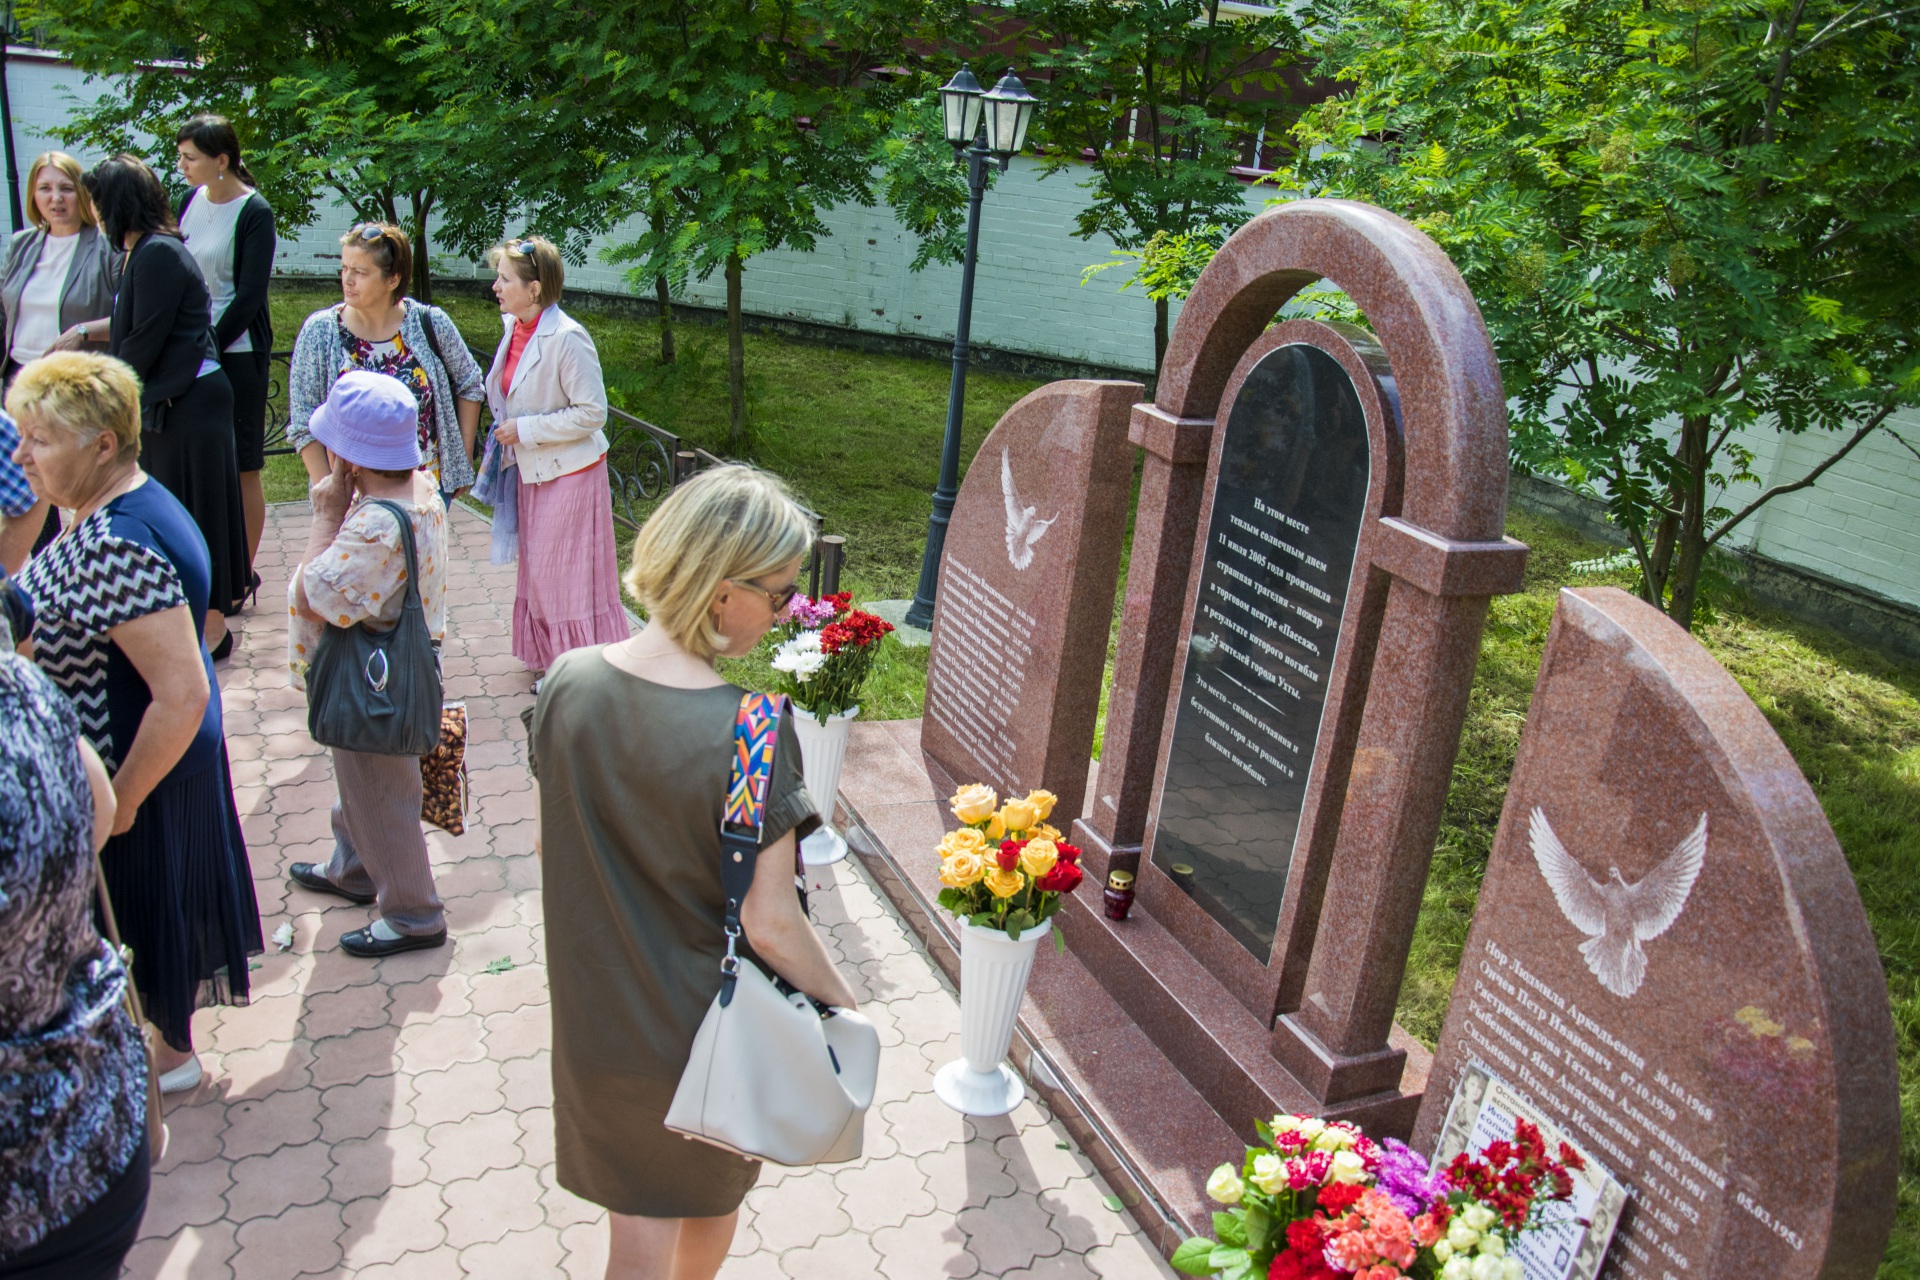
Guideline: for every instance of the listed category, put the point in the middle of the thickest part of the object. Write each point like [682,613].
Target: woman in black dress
[163,329]
[117,598]
[228,227]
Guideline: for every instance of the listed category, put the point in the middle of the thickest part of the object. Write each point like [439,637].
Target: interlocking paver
[393,1121]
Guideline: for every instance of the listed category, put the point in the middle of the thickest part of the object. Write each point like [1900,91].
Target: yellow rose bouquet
[1005,867]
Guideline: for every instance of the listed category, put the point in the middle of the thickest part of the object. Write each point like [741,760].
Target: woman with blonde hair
[632,743]
[549,402]
[118,600]
[56,291]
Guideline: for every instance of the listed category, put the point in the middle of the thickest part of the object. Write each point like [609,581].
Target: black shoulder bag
[379,691]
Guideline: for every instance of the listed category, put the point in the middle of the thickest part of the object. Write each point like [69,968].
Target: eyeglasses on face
[778,599]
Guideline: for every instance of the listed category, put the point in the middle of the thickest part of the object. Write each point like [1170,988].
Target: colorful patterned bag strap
[756,732]
[756,735]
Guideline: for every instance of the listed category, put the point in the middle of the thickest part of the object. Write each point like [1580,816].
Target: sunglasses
[368,231]
[524,249]
[779,599]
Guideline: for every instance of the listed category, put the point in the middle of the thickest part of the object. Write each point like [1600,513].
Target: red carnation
[1306,1235]
[1338,1197]
[1064,877]
[1009,855]
[1296,1264]
[1068,853]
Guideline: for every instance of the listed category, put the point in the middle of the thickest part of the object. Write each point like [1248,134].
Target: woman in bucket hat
[354,570]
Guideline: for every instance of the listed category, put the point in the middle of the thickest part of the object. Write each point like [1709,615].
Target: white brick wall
[1859,524]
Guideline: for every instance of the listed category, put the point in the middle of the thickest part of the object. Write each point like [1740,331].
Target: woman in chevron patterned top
[118,598]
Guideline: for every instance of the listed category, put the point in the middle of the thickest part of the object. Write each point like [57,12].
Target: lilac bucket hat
[371,420]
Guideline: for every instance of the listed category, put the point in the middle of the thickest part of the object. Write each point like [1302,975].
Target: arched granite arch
[1453,408]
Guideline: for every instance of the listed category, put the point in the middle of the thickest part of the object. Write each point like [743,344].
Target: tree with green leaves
[718,131]
[324,97]
[1686,222]
[1157,101]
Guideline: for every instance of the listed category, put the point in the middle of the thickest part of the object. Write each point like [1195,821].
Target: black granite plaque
[1291,493]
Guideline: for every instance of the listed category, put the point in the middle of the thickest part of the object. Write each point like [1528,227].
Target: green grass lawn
[857,436]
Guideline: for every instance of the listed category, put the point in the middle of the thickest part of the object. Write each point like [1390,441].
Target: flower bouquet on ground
[1321,1201]
[826,652]
[1005,868]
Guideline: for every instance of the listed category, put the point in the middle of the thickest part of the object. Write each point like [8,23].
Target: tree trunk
[422,251]
[736,359]
[1160,309]
[658,224]
[1691,543]
[665,302]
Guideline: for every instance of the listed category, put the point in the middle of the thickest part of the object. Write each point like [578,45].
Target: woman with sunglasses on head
[163,329]
[548,402]
[378,328]
[228,227]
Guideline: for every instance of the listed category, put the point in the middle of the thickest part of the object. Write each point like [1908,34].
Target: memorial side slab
[1027,582]
[1669,958]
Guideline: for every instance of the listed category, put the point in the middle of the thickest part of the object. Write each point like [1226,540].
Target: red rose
[1067,852]
[1064,877]
[1009,855]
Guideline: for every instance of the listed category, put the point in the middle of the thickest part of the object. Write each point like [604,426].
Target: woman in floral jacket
[73,1077]
[379,329]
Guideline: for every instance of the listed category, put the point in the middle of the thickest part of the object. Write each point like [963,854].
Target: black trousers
[91,1246]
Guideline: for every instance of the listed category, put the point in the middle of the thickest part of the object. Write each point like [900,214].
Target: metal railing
[644,463]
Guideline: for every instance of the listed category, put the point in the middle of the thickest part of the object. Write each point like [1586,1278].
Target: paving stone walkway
[393,1119]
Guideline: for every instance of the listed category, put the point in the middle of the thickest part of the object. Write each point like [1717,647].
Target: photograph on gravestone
[1571,1236]
[1288,504]
[1669,958]
[1027,580]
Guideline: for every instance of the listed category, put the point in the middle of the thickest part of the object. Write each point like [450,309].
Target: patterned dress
[179,877]
[72,1073]
[393,358]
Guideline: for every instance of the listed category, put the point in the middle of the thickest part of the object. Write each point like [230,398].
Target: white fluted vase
[823,749]
[993,978]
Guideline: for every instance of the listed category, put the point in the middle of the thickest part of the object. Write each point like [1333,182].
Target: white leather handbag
[773,1074]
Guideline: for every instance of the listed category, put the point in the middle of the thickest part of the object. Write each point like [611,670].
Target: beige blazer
[558,401]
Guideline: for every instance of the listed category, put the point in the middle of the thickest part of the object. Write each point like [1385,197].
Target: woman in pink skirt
[549,402]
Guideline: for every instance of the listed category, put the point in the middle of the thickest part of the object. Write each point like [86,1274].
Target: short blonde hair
[71,167]
[82,394]
[533,258]
[729,522]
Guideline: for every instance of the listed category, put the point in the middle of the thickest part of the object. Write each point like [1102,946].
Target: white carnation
[801,656]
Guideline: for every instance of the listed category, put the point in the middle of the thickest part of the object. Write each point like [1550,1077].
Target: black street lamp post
[1005,111]
[7,37]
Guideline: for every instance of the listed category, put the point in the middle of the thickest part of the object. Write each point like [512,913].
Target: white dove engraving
[1022,529]
[1618,916]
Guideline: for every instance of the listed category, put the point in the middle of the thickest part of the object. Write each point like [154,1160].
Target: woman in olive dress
[632,743]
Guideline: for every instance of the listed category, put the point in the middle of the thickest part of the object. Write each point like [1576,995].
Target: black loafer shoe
[362,942]
[309,876]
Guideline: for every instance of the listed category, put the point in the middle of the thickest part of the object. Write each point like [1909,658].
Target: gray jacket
[87,293]
[319,358]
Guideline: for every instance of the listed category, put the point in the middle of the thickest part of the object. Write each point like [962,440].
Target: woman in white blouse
[228,227]
[56,292]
